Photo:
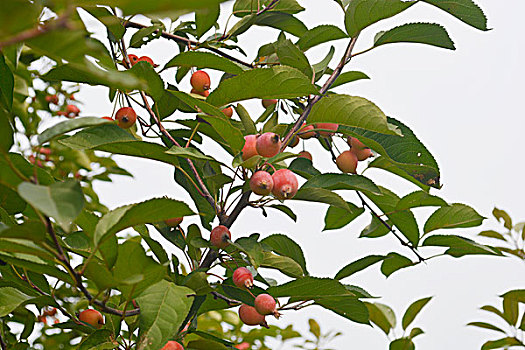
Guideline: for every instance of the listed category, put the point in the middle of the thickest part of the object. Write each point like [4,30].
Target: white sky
[465,106]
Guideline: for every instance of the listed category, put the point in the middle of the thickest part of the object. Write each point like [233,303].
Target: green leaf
[62,201]
[188,153]
[6,131]
[348,77]
[247,121]
[150,211]
[290,55]
[492,234]
[404,220]
[319,35]
[286,210]
[486,326]
[346,306]
[350,111]
[7,84]
[265,83]
[454,216]
[206,18]
[459,246]
[465,10]
[286,265]
[10,201]
[358,265]
[112,22]
[362,13]
[190,59]
[322,67]
[69,125]
[168,7]
[502,215]
[245,7]
[163,306]
[304,168]
[285,246]
[502,343]
[146,72]
[33,230]
[511,308]
[394,262]
[144,35]
[10,299]
[413,310]
[405,152]
[336,218]
[402,344]
[382,316]
[422,33]
[315,329]
[98,340]
[97,136]
[342,182]
[282,21]
[420,199]
[321,195]
[309,288]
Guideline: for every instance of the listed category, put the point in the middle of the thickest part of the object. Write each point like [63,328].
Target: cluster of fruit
[347,160]
[71,111]
[200,82]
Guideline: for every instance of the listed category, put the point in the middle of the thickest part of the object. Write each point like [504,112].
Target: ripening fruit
[202,93]
[249,150]
[293,142]
[72,111]
[92,317]
[347,162]
[126,117]
[268,144]
[52,99]
[268,103]
[261,183]
[133,59]
[242,278]
[220,236]
[329,126]
[305,154]
[172,345]
[173,222]
[359,149]
[284,184]
[242,346]
[107,118]
[251,317]
[265,304]
[147,59]
[306,133]
[228,112]
[200,80]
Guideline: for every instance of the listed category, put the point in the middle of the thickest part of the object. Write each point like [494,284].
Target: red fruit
[243,278]
[107,118]
[45,151]
[220,236]
[72,111]
[173,222]
[347,162]
[147,59]
[329,126]
[62,113]
[265,304]
[268,144]
[359,149]
[249,150]
[285,184]
[35,161]
[126,117]
[294,142]
[242,346]
[133,59]
[251,317]
[172,345]
[202,93]
[305,154]
[52,99]
[200,80]
[261,183]
[72,97]
[268,103]
[306,133]
[228,112]
[92,317]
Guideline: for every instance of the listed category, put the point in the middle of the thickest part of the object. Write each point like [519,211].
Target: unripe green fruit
[242,278]
[261,183]
[126,117]
[220,236]
[268,144]
[92,317]
[249,149]
[285,184]
[347,162]
[251,317]
[200,80]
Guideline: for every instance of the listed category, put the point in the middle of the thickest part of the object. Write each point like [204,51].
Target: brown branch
[270,6]
[3,345]
[230,302]
[190,42]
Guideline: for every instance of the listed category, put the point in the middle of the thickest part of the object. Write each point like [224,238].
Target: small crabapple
[72,111]
[126,117]
[293,142]
[359,149]
[52,99]
[220,237]
[249,150]
[228,112]
[268,144]
[305,154]
[347,162]
[173,222]
[242,346]
[265,304]
[242,278]
[306,133]
[261,183]
[107,118]
[328,126]
[92,317]
[172,345]
[133,59]
[251,317]
[200,80]
[268,102]
[147,59]
[202,93]
[285,184]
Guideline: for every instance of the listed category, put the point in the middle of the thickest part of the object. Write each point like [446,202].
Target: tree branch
[230,302]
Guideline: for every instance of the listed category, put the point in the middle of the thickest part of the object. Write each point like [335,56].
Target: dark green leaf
[6,131]
[422,33]
[282,21]
[459,246]
[98,340]
[342,182]
[10,299]
[247,121]
[465,10]
[336,218]
[348,77]
[358,265]
[486,326]
[420,199]
[502,343]
[286,265]
[7,84]
[413,310]
[502,215]
[382,316]
[69,125]
[290,55]
[303,167]
[206,18]
[319,35]
[285,246]
[285,210]
[201,60]
[394,262]
[454,216]
[321,195]
[402,344]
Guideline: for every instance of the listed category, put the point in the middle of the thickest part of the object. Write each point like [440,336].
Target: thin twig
[270,6]
[3,345]
[230,302]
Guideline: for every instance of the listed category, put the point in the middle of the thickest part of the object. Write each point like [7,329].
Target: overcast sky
[466,107]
